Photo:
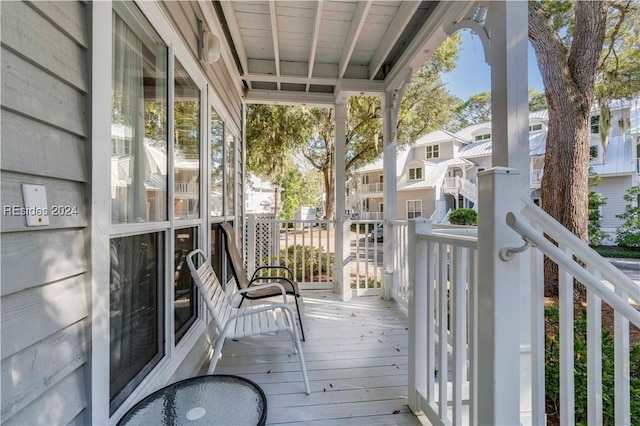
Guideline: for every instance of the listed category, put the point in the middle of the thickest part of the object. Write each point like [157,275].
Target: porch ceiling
[309,51]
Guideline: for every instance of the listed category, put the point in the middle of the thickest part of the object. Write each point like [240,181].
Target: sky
[472,74]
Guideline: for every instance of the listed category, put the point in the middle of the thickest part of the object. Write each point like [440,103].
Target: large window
[186,153]
[136,319]
[229,153]
[216,140]
[483,137]
[138,182]
[138,121]
[432,151]
[414,209]
[185,306]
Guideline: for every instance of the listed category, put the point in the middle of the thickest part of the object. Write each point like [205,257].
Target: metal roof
[619,159]
[436,137]
[309,51]
[433,174]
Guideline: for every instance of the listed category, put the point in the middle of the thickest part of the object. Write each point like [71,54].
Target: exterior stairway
[459,186]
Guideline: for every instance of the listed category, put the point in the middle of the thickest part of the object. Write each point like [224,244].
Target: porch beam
[274,35]
[234,30]
[359,18]
[317,19]
[282,97]
[400,20]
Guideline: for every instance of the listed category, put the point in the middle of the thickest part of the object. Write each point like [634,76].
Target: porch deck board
[356,356]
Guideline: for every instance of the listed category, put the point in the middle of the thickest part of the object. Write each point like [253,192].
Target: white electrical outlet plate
[35,204]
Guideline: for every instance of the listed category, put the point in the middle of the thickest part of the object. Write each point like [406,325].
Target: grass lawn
[620,252]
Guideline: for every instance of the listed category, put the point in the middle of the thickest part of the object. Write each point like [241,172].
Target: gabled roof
[377,165]
[537,142]
[433,174]
[436,137]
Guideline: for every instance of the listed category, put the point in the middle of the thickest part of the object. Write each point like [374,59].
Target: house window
[595,124]
[136,316]
[186,154]
[381,178]
[535,127]
[138,123]
[432,151]
[185,306]
[415,173]
[139,183]
[365,179]
[483,137]
[229,161]
[216,170]
[593,153]
[414,209]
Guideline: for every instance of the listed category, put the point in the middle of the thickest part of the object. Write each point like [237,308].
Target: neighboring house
[260,196]
[439,172]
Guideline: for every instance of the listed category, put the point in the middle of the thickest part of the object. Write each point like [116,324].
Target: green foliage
[477,109]
[628,234]
[464,217]
[596,234]
[552,370]
[307,261]
[619,252]
[296,192]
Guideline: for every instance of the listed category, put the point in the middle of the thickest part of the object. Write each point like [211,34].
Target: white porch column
[508,28]
[341,273]
[390,108]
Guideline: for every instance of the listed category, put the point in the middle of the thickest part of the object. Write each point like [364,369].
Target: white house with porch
[97,312]
[439,172]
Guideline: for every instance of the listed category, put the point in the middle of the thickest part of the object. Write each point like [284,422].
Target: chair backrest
[233,253]
[212,292]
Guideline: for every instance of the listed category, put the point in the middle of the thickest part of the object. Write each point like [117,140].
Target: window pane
[216,139]
[216,250]
[230,173]
[138,122]
[185,300]
[186,145]
[136,319]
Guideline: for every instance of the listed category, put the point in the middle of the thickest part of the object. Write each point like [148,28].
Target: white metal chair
[236,323]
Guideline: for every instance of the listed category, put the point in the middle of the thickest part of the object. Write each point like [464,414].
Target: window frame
[414,211]
[415,174]
[594,124]
[432,152]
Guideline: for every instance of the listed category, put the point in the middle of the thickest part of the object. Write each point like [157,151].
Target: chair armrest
[259,286]
[247,312]
[256,280]
[272,267]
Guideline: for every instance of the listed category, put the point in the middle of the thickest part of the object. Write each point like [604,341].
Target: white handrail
[538,240]
[560,234]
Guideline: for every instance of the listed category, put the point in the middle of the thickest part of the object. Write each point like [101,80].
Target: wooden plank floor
[356,357]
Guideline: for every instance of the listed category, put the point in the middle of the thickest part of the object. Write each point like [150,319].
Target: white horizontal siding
[44,128]
[614,189]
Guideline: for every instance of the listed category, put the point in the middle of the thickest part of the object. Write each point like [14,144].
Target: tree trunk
[569,80]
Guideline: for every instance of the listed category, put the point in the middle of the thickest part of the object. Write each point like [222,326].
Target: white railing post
[498,301]
[390,271]
[251,244]
[341,269]
[417,311]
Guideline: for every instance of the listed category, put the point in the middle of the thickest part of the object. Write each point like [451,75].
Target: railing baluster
[594,356]
[622,368]
[567,394]
[537,338]
[443,332]
[472,374]
[431,341]
[458,304]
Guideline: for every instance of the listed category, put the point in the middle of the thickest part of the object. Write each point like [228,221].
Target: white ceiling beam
[295,79]
[234,30]
[314,40]
[433,33]
[274,34]
[279,97]
[403,16]
[359,17]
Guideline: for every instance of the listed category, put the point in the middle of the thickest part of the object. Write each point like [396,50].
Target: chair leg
[299,317]
[217,350]
[296,342]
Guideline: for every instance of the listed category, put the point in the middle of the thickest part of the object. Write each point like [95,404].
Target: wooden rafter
[234,30]
[357,23]
[274,34]
[314,40]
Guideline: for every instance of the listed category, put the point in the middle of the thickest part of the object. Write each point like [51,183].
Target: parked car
[377,233]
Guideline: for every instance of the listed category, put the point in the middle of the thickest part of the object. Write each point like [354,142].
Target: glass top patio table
[202,400]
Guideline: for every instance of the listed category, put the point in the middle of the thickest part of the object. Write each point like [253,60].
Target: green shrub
[315,261]
[596,234]
[552,371]
[464,217]
[628,235]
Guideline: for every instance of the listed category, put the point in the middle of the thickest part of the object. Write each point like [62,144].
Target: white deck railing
[400,284]
[442,326]
[366,267]
[464,187]
[372,188]
[443,320]
[576,260]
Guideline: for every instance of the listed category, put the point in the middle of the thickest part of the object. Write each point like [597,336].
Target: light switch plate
[35,204]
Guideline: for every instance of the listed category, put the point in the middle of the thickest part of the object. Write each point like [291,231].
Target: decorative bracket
[507,254]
